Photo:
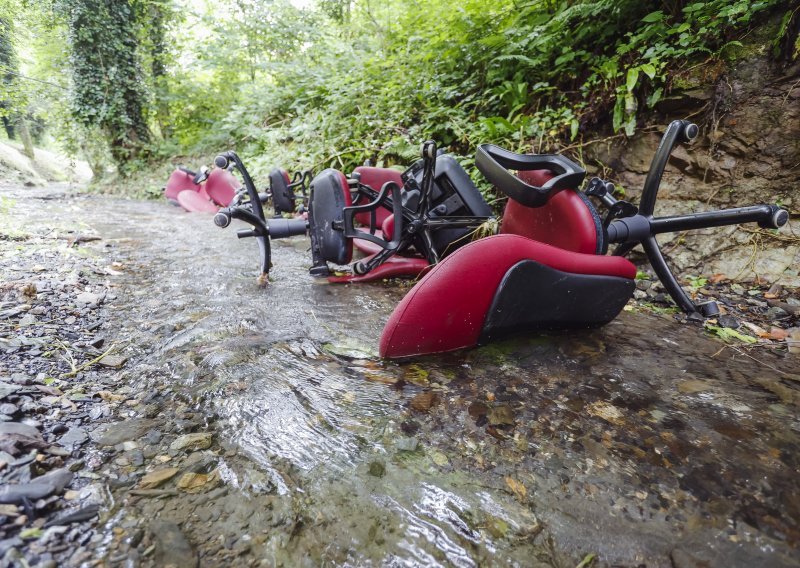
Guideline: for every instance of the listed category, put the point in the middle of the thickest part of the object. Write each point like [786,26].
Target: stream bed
[642,443]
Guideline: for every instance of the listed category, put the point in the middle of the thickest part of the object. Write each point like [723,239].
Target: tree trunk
[25,138]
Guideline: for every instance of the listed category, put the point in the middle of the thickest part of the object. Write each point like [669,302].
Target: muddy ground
[158,408]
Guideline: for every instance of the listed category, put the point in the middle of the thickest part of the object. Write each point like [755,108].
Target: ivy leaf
[649,70]
[632,79]
[657,16]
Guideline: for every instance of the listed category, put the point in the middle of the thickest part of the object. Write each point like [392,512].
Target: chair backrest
[178,181]
[455,191]
[568,220]
[282,196]
[221,186]
[330,194]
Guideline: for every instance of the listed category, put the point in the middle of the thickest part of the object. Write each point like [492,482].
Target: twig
[69,359]
[97,359]
[746,354]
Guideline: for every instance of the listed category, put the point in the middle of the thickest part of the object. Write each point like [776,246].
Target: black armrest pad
[494,162]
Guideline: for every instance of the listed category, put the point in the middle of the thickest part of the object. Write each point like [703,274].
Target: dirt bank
[748,153]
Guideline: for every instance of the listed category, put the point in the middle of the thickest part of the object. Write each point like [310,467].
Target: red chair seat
[447,309]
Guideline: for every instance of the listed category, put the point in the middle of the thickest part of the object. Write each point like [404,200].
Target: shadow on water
[643,442]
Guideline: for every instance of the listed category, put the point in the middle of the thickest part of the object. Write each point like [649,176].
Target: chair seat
[449,307]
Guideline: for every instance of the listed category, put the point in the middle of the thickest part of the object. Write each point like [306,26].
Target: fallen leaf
[778,334]
[517,488]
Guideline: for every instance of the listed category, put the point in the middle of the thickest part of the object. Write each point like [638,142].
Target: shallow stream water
[644,442]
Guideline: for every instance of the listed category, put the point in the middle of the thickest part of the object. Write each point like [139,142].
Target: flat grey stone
[7,389]
[118,432]
[19,492]
[20,429]
[73,437]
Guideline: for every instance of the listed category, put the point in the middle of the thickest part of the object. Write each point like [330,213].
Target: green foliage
[345,80]
[107,91]
[530,76]
[11,97]
[729,335]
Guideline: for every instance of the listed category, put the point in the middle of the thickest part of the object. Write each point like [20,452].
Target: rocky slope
[748,153]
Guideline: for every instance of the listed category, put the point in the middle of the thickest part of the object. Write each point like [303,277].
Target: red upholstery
[375,178]
[221,186]
[384,233]
[196,201]
[447,308]
[179,181]
[566,221]
[365,246]
[393,267]
[387,227]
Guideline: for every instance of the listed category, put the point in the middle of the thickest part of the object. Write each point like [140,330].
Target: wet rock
[158,477]
[119,432]
[153,437]
[377,468]
[78,516]
[198,482]
[407,444]
[74,437]
[501,416]
[728,321]
[477,410]
[7,389]
[409,427]
[53,482]
[8,409]
[682,559]
[136,457]
[171,546]
[775,313]
[192,442]
[424,401]
[8,544]
[19,428]
[20,492]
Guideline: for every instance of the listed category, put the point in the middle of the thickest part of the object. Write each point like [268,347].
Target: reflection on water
[639,442]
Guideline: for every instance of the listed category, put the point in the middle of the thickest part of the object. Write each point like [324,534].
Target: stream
[645,442]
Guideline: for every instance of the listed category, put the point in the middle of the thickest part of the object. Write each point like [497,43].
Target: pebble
[775,313]
[119,432]
[407,444]
[728,321]
[191,442]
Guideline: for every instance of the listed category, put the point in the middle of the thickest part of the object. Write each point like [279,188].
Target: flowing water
[644,442]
